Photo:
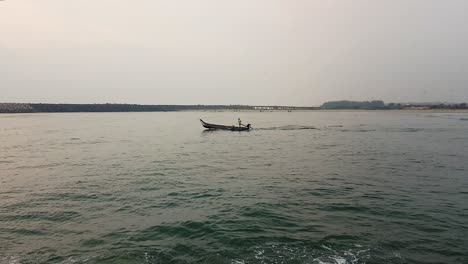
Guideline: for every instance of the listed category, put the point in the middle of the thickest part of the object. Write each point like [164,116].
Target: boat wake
[289,127]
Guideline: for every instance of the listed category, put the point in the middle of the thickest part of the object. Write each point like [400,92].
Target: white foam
[325,247]
[340,260]
[321,262]
[10,260]
[259,254]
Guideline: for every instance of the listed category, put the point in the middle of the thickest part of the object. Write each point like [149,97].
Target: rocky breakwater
[15,108]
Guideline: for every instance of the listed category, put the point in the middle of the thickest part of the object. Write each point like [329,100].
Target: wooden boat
[221,127]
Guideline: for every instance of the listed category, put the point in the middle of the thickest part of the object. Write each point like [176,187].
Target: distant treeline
[427,106]
[353,105]
[380,105]
[65,108]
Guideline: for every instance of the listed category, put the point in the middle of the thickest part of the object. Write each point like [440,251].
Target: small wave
[41,166]
[463,119]
[66,196]
[79,141]
[184,230]
[410,129]
[23,231]
[404,129]
[41,216]
[357,130]
[18,259]
[92,242]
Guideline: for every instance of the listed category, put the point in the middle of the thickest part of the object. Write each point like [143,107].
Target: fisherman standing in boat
[240,122]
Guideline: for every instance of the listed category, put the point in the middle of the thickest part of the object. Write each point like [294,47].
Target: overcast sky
[265,52]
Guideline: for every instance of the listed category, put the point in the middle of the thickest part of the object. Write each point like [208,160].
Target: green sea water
[301,187]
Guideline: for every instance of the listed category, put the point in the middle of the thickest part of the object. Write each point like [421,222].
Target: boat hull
[222,127]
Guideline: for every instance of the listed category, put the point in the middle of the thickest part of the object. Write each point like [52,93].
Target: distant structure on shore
[344,105]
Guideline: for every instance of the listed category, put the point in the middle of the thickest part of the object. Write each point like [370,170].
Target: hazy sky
[300,52]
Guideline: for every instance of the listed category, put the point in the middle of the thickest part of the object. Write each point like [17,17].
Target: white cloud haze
[301,52]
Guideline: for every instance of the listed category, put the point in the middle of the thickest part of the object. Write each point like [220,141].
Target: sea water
[301,187]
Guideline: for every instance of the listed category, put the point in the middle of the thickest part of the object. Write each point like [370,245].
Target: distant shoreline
[347,110]
[457,111]
[72,108]
[19,108]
